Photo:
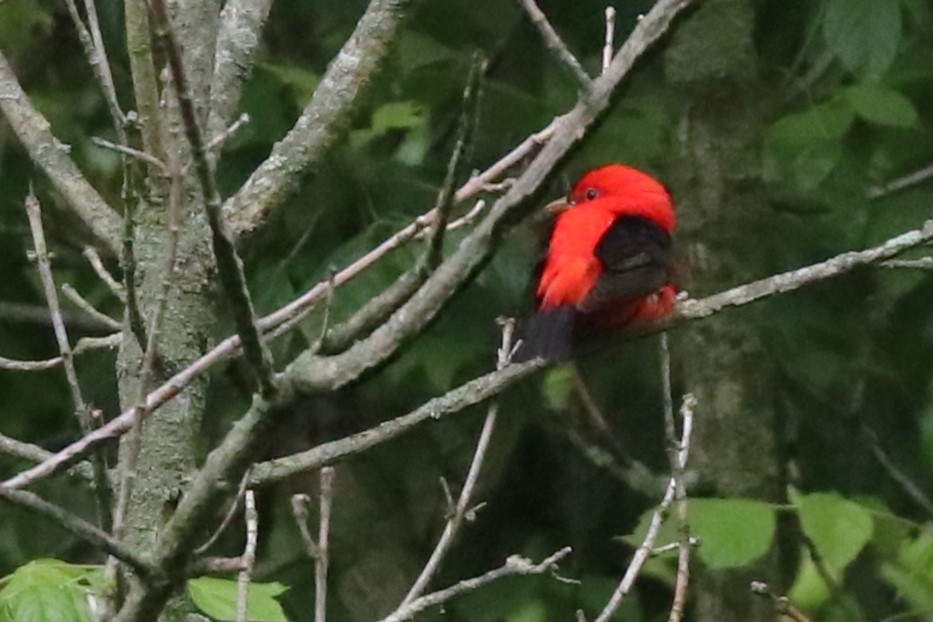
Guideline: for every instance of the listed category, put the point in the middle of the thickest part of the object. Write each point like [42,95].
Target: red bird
[608,262]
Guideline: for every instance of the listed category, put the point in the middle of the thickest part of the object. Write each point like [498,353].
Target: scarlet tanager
[608,262]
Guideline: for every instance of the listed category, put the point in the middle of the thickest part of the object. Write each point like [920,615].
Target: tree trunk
[735,452]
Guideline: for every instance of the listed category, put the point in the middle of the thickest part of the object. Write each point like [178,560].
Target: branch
[322,560]
[77,526]
[324,120]
[34,214]
[462,507]
[468,394]
[678,465]
[229,266]
[249,556]
[795,279]
[691,309]
[515,565]
[647,546]
[52,157]
[555,44]
[34,314]
[241,23]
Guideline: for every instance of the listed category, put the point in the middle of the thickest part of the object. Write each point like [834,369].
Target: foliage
[846,91]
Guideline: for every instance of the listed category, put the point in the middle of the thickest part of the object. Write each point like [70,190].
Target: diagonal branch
[554,43]
[241,23]
[324,120]
[51,156]
[229,265]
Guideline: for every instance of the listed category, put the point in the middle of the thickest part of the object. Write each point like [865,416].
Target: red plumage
[608,262]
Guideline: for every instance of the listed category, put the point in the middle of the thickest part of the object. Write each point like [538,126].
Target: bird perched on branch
[608,262]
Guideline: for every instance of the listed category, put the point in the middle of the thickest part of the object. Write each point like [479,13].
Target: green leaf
[839,528]
[912,573]
[863,34]
[45,590]
[809,590]
[217,598]
[733,532]
[879,104]
[397,115]
[556,387]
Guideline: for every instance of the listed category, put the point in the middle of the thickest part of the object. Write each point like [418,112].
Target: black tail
[547,334]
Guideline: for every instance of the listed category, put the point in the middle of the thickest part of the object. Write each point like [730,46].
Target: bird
[608,265]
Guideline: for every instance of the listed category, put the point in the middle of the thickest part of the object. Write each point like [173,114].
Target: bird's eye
[591,193]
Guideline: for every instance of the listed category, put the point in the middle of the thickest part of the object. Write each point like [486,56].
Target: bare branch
[44,265]
[690,309]
[609,45]
[79,301]
[238,36]
[647,546]
[324,119]
[554,43]
[923,263]
[226,134]
[514,566]
[229,266]
[17,365]
[133,153]
[911,179]
[914,491]
[322,560]
[680,494]
[83,413]
[468,394]
[460,510]
[94,259]
[93,44]
[249,556]
[51,156]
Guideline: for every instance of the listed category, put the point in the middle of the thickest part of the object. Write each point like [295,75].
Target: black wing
[636,257]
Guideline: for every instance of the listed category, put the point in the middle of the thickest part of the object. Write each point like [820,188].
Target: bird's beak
[557,206]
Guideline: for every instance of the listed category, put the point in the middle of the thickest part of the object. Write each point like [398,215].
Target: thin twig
[82,412]
[515,565]
[911,179]
[34,213]
[609,46]
[17,365]
[94,259]
[228,518]
[644,551]
[907,485]
[322,560]
[228,133]
[249,556]
[88,308]
[93,44]
[129,151]
[445,198]
[782,605]
[456,518]
[300,503]
[680,494]
[229,265]
[554,43]
[923,263]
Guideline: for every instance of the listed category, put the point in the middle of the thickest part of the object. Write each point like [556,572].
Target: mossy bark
[712,63]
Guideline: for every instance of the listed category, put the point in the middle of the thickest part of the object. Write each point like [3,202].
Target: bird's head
[624,191]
